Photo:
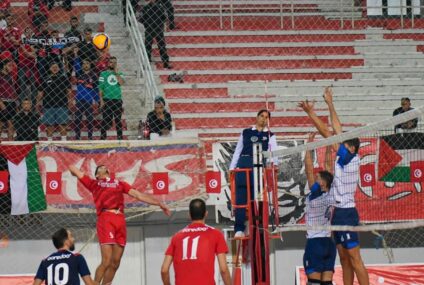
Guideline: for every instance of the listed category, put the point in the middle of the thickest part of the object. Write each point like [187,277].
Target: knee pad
[326,282]
[313,282]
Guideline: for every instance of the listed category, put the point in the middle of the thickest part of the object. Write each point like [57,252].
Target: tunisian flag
[417,171]
[160,183]
[4,182]
[53,183]
[367,173]
[213,182]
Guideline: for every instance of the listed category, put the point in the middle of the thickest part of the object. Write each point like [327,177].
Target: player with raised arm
[346,177]
[108,194]
[193,251]
[63,266]
[320,250]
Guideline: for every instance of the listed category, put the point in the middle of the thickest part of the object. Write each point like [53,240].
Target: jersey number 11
[194,245]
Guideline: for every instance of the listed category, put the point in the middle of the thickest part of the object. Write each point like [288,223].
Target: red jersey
[6,38]
[193,250]
[107,193]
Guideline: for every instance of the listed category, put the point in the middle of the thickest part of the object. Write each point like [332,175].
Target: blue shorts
[320,255]
[346,217]
[55,116]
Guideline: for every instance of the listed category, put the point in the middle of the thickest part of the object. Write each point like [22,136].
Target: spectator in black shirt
[42,50]
[405,107]
[55,96]
[169,8]
[73,33]
[87,51]
[159,120]
[26,122]
[153,18]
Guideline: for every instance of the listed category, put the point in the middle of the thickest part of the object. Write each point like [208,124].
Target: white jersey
[318,213]
[345,183]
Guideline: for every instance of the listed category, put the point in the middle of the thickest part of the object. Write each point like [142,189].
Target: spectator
[38,13]
[159,120]
[56,49]
[405,107]
[8,97]
[110,92]
[26,68]
[5,5]
[169,8]
[87,96]
[11,37]
[26,122]
[55,96]
[42,50]
[103,62]
[153,18]
[87,51]
[75,35]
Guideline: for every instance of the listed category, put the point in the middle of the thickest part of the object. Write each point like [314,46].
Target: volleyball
[101,41]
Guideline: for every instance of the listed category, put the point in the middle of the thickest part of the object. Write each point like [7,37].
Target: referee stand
[251,261]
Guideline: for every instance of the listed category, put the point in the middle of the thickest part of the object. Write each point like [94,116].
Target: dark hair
[97,169]
[88,30]
[113,57]
[353,142]
[54,31]
[405,99]
[197,209]
[59,238]
[263,111]
[159,99]
[327,177]
[74,18]
[4,62]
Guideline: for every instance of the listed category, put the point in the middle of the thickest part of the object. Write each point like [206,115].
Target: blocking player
[346,177]
[193,251]
[63,266]
[108,194]
[320,250]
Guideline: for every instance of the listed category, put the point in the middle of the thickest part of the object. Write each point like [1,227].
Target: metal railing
[144,68]
[344,11]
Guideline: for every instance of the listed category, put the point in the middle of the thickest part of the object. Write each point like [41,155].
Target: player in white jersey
[320,250]
[346,176]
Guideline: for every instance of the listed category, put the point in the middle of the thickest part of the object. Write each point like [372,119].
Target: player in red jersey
[111,226]
[193,250]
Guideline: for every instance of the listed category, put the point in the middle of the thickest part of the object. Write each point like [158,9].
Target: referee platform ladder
[251,254]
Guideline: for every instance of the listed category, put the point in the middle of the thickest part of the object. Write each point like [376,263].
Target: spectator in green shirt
[110,82]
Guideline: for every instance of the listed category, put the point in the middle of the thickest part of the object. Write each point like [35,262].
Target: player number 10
[56,274]
[194,245]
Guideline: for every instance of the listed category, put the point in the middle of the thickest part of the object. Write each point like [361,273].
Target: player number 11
[194,245]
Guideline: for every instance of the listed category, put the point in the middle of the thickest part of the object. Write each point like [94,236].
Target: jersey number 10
[194,245]
[54,277]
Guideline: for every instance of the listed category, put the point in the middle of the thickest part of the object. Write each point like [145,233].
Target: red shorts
[112,228]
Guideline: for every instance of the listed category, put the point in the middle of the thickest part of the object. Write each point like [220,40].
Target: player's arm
[149,199]
[76,172]
[89,281]
[37,281]
[309,166]
[334,118]
[223,268]
[328,159]
[322,128]
[164,271]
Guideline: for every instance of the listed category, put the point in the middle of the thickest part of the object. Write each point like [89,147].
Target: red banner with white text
[183,161]
[390,274]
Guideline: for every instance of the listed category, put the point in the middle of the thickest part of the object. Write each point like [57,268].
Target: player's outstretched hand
[328,95]
[165,209]
[307,106]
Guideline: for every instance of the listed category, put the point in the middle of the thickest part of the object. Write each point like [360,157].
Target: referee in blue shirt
[243,158]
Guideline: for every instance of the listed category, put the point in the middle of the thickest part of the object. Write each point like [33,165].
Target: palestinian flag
[22,189]
[401,158]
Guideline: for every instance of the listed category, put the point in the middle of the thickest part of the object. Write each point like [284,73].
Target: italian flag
[401,158]
[20,181]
